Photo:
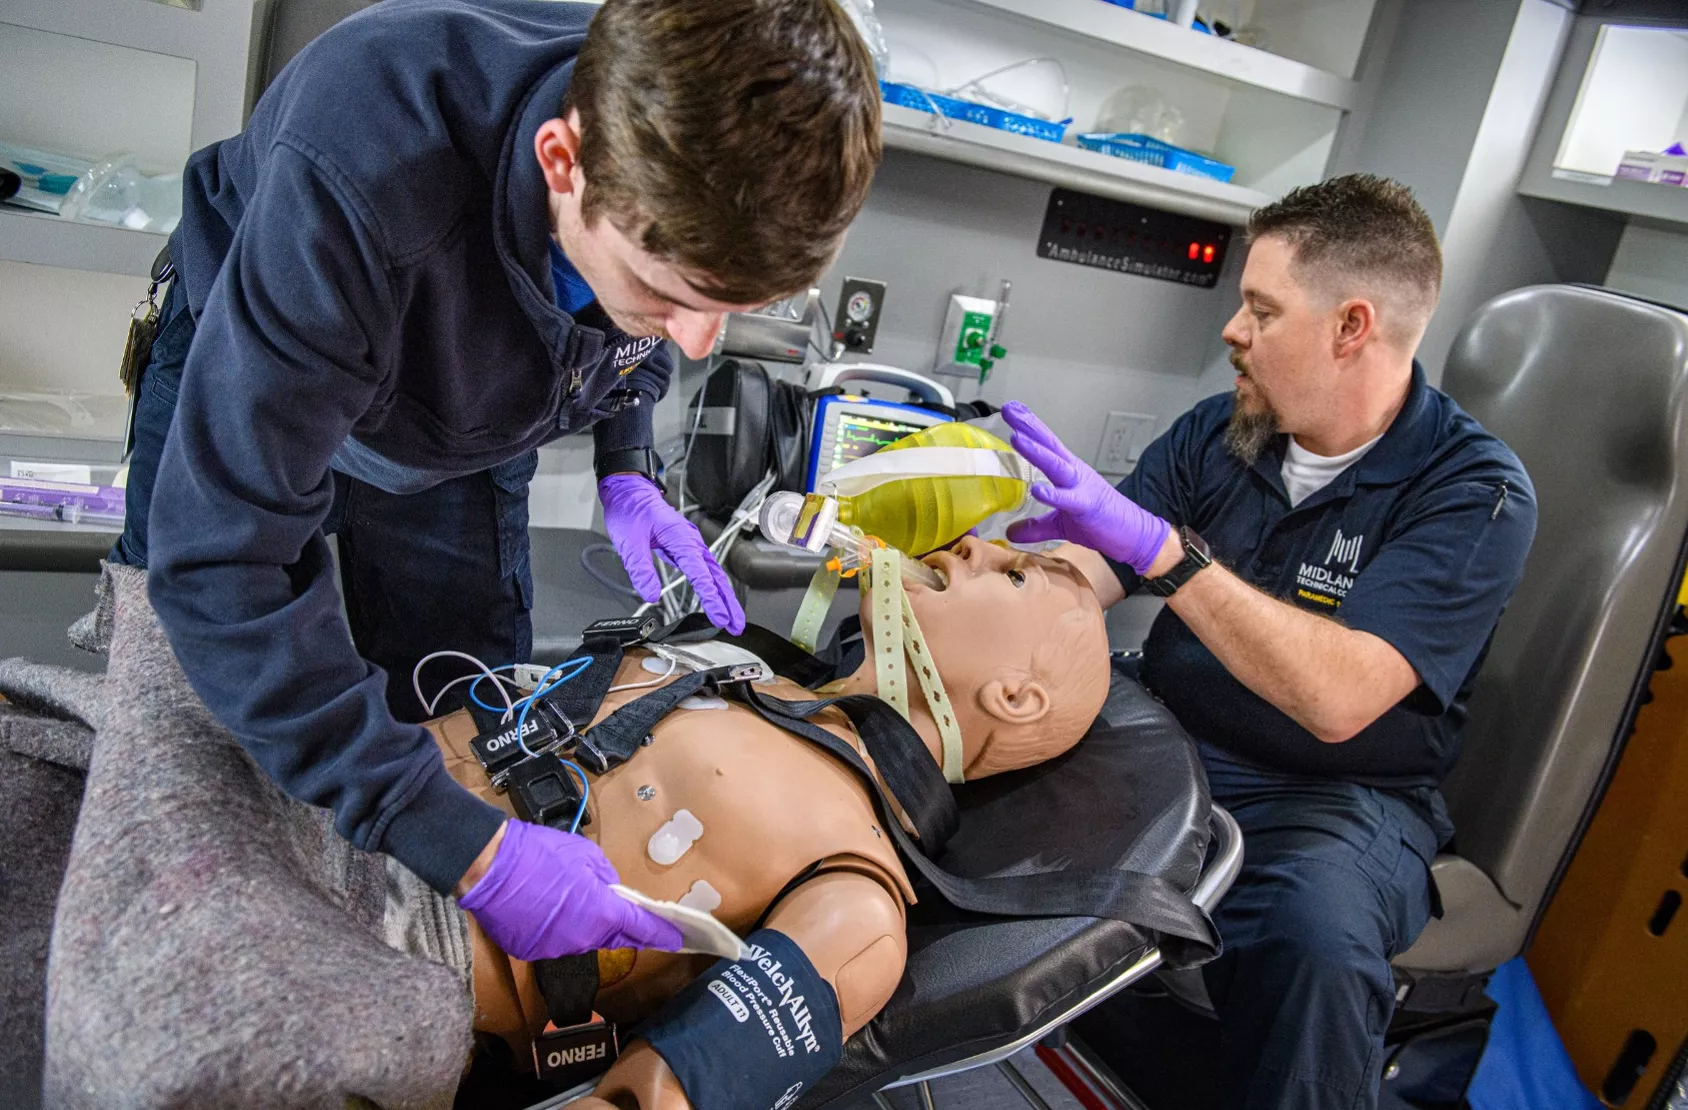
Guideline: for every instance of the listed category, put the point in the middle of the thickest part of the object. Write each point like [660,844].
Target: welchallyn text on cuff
[751,1034]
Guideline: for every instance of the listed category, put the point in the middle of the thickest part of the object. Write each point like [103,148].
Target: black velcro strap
[568,984]
[786,658]
[613,740]
[690,629]
[579,698]
[912,776]
[1186,935]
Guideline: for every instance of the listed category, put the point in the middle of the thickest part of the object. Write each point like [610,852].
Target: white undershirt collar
[1305,473]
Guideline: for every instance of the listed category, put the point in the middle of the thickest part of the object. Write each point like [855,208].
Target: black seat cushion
[1132,795]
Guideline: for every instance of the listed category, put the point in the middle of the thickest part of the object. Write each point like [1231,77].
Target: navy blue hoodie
[368,259]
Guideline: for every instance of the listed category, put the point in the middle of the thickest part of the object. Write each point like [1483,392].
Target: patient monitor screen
[859,436]
[849,435]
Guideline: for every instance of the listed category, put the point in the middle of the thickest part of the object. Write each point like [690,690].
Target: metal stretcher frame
[1215,881]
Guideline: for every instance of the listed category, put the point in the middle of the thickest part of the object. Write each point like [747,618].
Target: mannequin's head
[1021,647]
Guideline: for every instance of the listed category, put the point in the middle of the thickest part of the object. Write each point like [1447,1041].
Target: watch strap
[628,460]
[1196,557]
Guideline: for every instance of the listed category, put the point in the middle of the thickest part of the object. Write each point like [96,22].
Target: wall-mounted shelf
[94,78]
[1618,88]
[49,241]
[216,40]
[1157,38]
[1660,204]
[1059,164]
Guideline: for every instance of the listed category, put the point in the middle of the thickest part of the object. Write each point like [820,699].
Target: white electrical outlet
[1124,435]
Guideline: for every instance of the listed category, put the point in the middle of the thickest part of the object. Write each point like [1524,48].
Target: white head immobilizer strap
[896,642]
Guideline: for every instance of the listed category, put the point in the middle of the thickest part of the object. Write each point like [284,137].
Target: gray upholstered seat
[1590,388]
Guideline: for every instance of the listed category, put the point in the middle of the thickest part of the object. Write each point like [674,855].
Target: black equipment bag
[751,422]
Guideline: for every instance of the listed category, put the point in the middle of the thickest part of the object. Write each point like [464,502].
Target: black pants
[446,568]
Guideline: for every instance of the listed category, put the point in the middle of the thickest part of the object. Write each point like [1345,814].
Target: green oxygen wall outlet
[964,348]
[975,333]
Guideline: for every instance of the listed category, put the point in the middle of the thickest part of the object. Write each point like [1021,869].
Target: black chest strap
[1186,935]
[615,739]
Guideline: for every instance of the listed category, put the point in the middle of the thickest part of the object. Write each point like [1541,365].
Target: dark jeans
[446,568]
[1335,882]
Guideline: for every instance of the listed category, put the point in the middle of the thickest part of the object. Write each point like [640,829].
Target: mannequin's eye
[1018,577]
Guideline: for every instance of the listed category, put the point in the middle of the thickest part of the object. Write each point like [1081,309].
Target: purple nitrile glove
[641,524]
[548,894]
[1088,511]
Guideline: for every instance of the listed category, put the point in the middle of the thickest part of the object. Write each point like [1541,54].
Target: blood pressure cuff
[752,1034]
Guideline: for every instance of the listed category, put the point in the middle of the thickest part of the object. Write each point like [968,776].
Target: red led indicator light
[1195,250]
[1207,253]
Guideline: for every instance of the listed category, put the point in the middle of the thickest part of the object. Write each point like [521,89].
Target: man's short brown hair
[735,139]
[1362,235]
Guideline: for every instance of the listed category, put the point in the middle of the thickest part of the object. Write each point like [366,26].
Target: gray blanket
[215,943]
[43,751]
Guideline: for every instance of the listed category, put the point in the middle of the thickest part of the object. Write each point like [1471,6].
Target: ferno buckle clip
[572,1055]
[590,754]
[544,792]
[738,672]
[622,632]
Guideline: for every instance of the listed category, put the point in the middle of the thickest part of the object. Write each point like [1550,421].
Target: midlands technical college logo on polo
[632,352]
[1329,582]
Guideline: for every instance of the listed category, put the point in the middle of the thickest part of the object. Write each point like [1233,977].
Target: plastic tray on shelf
[949,107]
[1153,152]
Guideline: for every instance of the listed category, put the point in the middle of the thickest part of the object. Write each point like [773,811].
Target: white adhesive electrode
[702,896]
[703,701]
[675,838]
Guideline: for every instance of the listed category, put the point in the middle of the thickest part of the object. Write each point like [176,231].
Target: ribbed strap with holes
[937,702]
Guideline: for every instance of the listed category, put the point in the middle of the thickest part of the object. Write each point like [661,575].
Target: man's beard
[1250,430]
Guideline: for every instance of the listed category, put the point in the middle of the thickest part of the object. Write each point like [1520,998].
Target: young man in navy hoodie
[454,230]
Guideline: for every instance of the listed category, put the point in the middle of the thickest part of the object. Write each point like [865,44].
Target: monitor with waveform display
[849,427]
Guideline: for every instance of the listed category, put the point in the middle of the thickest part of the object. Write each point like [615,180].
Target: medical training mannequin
[1019,642]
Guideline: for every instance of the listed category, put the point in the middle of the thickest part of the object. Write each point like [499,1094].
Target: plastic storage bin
[1153,152]
[985,116]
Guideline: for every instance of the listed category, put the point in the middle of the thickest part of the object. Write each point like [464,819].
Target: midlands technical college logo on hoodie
[1329,582]
[632,352]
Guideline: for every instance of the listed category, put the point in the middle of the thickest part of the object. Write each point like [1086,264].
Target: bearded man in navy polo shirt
[1336,540]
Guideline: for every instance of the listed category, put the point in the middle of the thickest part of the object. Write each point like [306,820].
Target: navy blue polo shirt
[1420,542]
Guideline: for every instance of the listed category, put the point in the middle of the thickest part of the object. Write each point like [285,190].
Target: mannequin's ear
[557,146]
[1015,701]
